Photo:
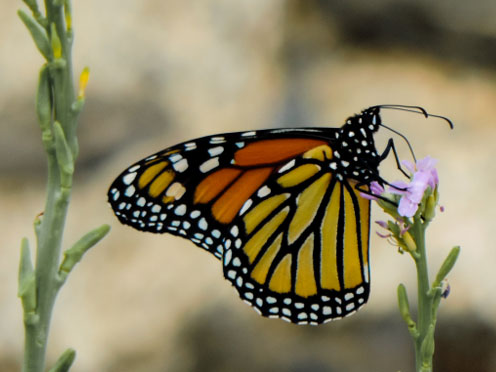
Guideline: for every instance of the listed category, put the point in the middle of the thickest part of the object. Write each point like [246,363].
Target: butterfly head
[363,125]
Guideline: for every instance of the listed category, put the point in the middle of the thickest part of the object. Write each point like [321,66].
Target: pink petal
[398,187]
[404,229]
[382,224]
[418,186]
[434,180]
[426,164]
[407,208]
[385,236]
[409,165]
[368,196]
[375,189]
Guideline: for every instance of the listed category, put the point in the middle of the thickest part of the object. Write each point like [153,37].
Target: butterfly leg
[390,146]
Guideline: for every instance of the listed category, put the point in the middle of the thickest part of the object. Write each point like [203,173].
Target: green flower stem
[429,297]
[424,300]
[49,248]
[57,109]
[62,72]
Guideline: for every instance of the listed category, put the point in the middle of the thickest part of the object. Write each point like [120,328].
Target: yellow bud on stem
[409,242]
[56,44]
[83,81]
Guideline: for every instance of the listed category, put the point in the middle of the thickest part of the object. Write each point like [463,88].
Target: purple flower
[424,175]
[425,166]
[375,190]
[383,236]
[384,225]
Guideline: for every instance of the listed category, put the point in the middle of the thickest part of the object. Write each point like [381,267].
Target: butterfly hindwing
[299,249]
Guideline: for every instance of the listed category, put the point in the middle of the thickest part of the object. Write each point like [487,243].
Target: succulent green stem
[429,297]
[57,109]
[424,320]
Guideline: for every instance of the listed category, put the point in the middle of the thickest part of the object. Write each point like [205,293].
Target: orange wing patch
[213,185]
[274,151]
[228,205]
[234,186]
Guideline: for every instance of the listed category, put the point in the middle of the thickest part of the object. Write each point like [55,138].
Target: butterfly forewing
[195,189]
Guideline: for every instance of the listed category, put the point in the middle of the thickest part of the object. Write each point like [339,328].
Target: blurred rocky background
[166,71]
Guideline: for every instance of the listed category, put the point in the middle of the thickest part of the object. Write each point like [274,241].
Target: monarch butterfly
[280,208]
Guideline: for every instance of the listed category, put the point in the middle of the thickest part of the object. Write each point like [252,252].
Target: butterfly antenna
[416,109]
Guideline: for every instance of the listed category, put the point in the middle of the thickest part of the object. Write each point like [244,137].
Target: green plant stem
[429,297]
[58,110]
[63,81]
[48,257]
[424,320]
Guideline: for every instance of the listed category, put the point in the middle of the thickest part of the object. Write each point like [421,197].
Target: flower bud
[83,81]
[430,207]
[409,242]
[56,44]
